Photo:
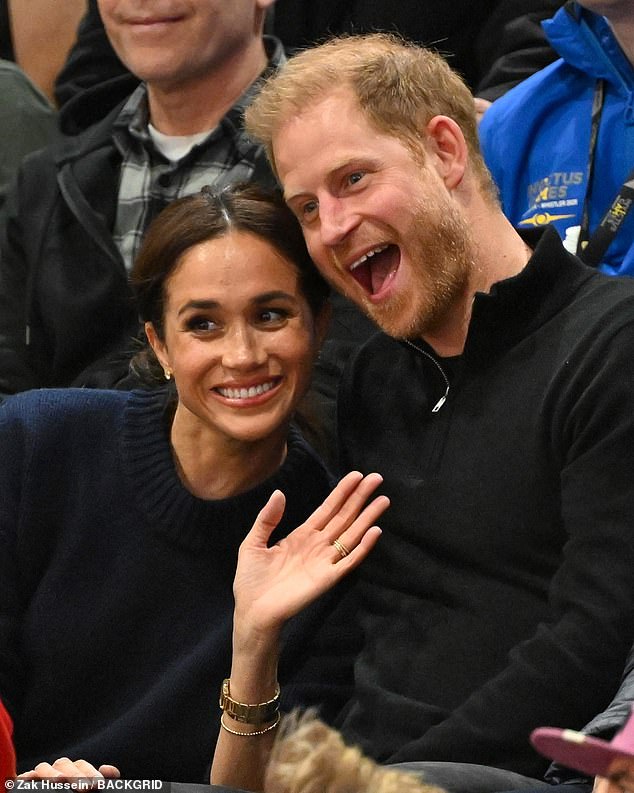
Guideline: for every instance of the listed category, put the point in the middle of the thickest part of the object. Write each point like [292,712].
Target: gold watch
[257,714]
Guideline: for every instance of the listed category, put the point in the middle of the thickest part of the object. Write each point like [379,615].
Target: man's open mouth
[374,268]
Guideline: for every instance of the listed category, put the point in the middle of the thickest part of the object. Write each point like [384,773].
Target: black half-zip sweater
[501,594]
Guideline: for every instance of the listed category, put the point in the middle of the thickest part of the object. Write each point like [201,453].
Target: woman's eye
[355,177]
[201,325]
[272,316]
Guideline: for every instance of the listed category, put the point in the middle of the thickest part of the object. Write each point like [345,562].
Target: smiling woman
[117,562]
[235,311]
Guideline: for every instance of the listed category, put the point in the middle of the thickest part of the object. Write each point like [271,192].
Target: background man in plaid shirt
[74,220]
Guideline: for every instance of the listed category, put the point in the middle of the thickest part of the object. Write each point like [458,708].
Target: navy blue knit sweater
[116,586]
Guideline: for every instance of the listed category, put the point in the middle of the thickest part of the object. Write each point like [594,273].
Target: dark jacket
[66,308]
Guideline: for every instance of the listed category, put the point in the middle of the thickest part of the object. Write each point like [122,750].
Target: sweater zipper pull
[440,402]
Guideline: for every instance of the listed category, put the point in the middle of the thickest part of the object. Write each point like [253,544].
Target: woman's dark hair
[208,215]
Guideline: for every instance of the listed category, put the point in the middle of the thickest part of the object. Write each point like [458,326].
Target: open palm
[273,584]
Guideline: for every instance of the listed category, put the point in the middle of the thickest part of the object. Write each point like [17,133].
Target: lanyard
[591,249]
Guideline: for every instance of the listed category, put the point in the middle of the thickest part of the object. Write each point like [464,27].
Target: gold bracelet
[255,732]
[259,713]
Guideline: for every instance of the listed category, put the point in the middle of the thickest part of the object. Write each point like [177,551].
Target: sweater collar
[165,503]
[517,306]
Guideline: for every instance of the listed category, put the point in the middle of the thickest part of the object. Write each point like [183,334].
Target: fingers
[110,771]
[355,535]
[65,769]
[268,518]
[344,503]
[354,506]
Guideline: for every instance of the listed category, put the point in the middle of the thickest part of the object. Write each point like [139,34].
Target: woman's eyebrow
[278,294]
[198,304]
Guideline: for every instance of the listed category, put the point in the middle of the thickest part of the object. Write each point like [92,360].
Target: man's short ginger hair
[398,85]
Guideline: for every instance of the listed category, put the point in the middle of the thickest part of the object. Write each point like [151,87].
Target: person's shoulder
[14,79]
[611,294]
[72,148]
[599,316]
[544,86]
[59,405]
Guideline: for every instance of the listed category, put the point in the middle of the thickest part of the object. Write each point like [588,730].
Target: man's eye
[356,177]
[309,208]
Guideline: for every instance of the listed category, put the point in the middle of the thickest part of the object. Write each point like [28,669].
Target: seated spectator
[27,122]
[498,404]
[560,145]
[603,749]
[494,45]
[77,216]
[122,513]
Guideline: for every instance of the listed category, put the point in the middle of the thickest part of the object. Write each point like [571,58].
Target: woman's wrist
[251,637]
[253,675]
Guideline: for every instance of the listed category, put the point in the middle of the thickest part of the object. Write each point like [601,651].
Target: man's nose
[336,221]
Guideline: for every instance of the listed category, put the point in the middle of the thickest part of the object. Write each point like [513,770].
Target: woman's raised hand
[273,584]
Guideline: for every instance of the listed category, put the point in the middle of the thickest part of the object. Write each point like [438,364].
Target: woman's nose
[243,348]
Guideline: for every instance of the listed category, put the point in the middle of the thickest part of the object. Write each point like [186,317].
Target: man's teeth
[366,256]
[246,393]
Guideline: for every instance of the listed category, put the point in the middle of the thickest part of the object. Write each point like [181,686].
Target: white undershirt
[175,147]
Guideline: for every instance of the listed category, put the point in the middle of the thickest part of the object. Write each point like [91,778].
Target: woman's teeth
[246,393]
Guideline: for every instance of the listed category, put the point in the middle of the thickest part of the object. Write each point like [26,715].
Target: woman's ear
[158,346]
[448,147]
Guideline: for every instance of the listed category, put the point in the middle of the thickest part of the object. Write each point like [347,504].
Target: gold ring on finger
[343,551]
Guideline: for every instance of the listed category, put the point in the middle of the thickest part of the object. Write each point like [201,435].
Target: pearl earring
[168,373]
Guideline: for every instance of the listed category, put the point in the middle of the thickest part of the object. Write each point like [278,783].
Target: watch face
[581,752]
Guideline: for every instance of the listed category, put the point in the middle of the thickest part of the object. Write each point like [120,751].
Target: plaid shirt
[149,181]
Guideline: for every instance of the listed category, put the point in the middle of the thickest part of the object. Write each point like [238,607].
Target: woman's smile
[248,395]
[239,337]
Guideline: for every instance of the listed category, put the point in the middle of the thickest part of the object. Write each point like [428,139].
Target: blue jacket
[536,138]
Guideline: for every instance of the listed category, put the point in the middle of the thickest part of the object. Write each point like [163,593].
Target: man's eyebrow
[345,164]
[294,196]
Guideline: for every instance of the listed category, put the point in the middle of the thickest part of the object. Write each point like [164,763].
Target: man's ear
[448,148]
[160,350]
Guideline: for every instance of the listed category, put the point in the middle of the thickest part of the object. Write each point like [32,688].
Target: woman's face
[239,337]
